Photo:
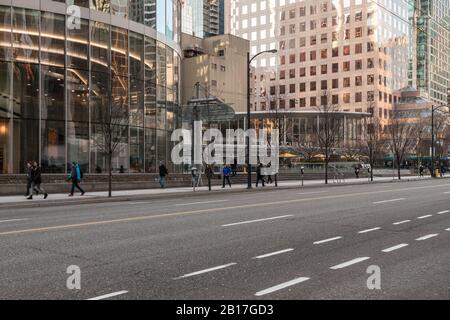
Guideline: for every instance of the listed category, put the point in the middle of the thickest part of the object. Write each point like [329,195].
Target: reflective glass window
[119,8]
[26,35]
[119,51]
[101,5]
[6,79]
[77,46]
[100,47]
[5,36]
[136,10]
[52,39]
[150,13]
[161,16]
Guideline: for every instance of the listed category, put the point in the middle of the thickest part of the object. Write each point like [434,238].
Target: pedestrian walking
[269,177]
[421,170]
[357,172]
[226,175]
[163,172]
[36,176]
[29,178]
[75,176]
[259,176]
[209,174]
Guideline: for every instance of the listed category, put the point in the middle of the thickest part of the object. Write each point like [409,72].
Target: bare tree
[111,133]
[401,139]
[373,140]
[328,128]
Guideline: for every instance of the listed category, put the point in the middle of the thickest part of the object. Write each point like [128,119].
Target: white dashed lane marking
[401,222]
[425,217]
[349,263]
[443,212]
[109,295]
[388,201]
[281,286]
[369,230]
[327,240]
[395,247]
[273,253]
[205,271]
[429,236]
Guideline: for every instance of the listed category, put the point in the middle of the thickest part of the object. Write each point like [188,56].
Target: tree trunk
[110,176]
[326,169]
[372,162]
[399,170]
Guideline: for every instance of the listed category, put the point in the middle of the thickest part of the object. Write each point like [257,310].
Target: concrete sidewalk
[130,195]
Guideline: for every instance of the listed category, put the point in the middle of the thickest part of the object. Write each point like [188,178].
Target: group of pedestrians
[34,180]
[261,177]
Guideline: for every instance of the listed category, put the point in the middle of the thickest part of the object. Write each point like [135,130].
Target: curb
[97,200]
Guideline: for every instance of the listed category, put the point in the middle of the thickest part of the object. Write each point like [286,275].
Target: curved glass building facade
[65,64]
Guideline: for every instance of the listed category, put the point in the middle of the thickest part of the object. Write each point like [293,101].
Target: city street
[311,243]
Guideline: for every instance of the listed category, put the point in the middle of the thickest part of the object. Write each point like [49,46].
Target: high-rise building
[201,18]
[430,66]
[355,51]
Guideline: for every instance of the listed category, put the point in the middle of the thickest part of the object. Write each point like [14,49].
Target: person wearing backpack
[163,172]
[76,175]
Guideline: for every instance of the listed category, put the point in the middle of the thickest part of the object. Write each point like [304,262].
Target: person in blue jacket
[226,175]
[75,176]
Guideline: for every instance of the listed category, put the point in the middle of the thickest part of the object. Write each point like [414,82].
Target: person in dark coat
[29,178]
[259,176]
[163,172]
[36,175]
[75,176]
[209,174]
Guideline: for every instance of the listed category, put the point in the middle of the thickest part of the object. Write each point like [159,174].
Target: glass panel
[137,55]
[161,64]
[4,146]
[136,10]
[78,144]
[161,146]
[150,13]
[52,94]
[150,150]
[161,16]
[119,51]
[77,46]
[169,19]
[136,102]
[119,8]
[169,68]
[80,3]
[136,149]
[52,39]
[99,47]
[5,89]
[150,60]
[77,83]
[5,36]
[101,5]
[26,115]
[53,151]
[26,35]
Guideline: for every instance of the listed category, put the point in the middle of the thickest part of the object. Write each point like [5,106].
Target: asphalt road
[314,243]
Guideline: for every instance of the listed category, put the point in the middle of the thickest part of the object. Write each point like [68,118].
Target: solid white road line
[427,237]
[205,271]
[109,295]
[443,212]
[327,240]
[388,201]
[349,263]
[281,286]
[258,220]
[395,247]
[369,230]
[424,217]
[273,253]
[12,220]
[203,202]
[401,222]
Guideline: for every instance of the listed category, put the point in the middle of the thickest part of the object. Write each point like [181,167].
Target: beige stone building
[219,64]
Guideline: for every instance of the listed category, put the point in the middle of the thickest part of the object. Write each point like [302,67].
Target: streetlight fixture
[247,156]
[433,109]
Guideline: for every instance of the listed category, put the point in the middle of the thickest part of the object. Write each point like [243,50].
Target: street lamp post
[433,109]
[247,140]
